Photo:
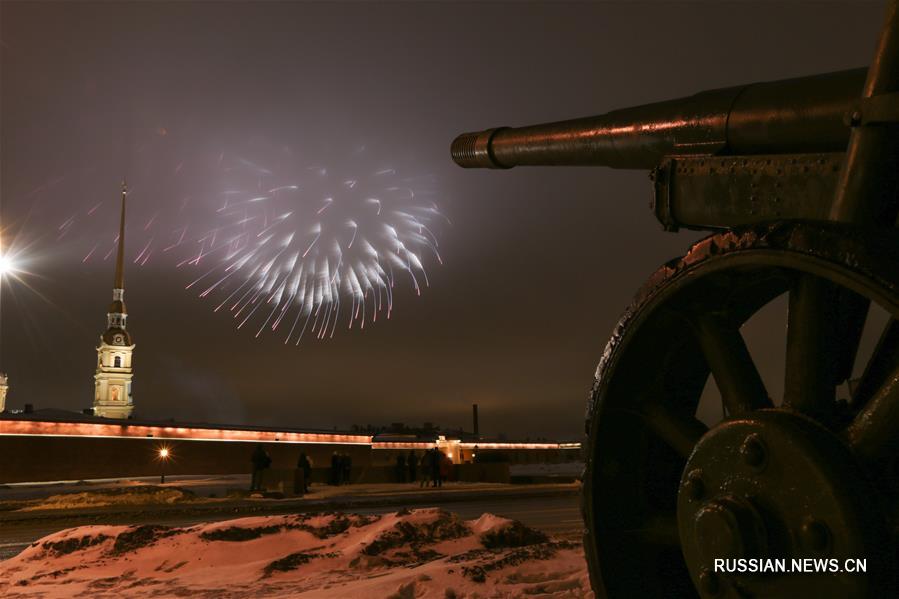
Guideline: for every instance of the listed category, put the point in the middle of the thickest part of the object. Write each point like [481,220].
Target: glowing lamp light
[163,454]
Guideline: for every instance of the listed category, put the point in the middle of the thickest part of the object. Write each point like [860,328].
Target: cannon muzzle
[806,114]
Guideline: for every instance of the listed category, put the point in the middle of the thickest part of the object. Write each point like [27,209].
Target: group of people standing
[341,468]
[432,468]
[304,464]
[436,467]
[406,467]
[261,461]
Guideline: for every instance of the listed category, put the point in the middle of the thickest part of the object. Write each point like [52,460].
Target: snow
[206,489]
[145,495]
[424,553]
[575,469]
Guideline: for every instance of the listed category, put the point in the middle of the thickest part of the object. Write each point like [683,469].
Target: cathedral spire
[112,387]
[120,255]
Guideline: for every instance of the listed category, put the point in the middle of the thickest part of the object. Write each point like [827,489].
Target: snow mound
[411,554]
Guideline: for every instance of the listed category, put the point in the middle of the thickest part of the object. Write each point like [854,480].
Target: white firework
[304,248]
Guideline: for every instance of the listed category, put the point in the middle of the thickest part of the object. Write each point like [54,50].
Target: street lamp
[7,267]
[163,456]
[11,267]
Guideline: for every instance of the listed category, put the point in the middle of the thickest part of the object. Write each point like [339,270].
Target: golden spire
[120,256]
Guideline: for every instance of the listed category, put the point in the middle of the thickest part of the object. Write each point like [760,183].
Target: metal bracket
[661,197]
[882,109]
[720,192]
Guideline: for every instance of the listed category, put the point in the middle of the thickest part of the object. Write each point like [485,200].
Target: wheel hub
[729,527]
[774,486]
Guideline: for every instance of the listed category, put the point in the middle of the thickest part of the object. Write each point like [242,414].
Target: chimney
[474,418]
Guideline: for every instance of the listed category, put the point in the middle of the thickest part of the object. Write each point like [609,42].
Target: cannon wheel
[813,476]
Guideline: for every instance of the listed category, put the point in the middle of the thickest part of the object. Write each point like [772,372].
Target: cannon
[797,183]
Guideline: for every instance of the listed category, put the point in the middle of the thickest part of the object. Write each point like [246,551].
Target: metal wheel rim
[868,269]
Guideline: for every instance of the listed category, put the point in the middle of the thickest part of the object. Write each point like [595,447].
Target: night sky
[537,264]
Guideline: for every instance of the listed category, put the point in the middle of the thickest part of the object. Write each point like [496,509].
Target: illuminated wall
[48,450]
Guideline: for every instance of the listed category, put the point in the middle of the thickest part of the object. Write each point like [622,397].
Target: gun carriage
[798,181]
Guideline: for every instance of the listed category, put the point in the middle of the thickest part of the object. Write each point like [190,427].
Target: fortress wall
[47,458]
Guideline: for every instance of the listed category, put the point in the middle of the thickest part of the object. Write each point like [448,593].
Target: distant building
[112,390]
[4,387]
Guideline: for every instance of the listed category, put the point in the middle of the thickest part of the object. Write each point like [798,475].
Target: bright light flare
[17,256]
[7,265]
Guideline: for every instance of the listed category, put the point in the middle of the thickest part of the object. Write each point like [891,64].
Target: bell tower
[112,389]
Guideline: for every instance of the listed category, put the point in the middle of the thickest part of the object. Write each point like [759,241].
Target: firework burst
[307,248]
[284,242]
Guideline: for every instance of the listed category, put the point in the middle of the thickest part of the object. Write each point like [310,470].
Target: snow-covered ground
[425,553]
[575,469]
[211,491]
[145,495]
[200,485]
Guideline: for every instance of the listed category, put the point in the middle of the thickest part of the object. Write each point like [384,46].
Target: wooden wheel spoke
[874,432]
[738,380]
[809,385]
[848,326]
[680,431]
[883,362]
[658,529]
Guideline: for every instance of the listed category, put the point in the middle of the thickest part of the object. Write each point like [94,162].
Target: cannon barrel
[806,114]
